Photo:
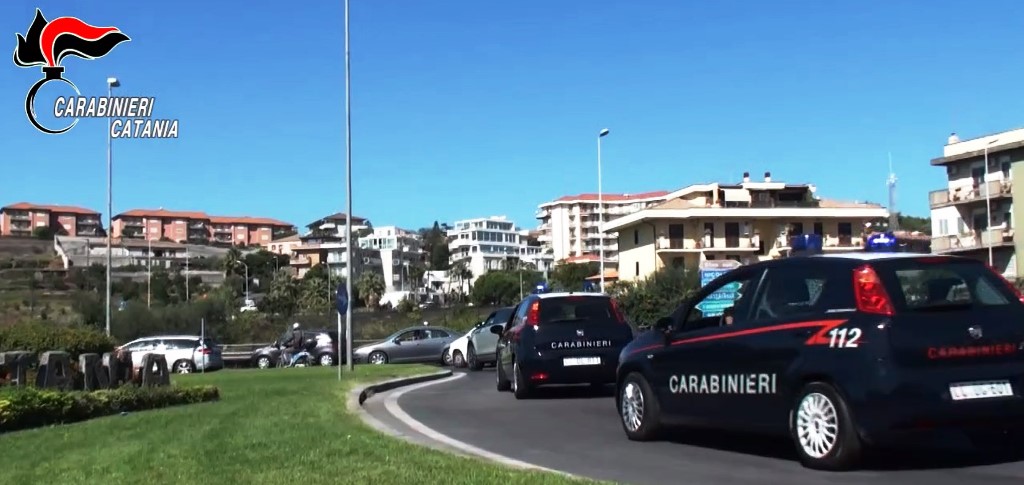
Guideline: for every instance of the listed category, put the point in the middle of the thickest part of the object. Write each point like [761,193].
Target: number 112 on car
[844,337]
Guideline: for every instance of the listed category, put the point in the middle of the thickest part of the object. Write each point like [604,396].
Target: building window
[943,227]
[636,265]
[636,237]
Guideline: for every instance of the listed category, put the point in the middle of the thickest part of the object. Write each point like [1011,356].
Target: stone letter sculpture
[54,370]
[16,363]
[94,375]
[154,371]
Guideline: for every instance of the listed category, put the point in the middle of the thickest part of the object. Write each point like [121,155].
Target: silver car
[423,344]
[483,341]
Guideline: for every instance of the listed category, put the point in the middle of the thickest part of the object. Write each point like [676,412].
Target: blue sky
[466,108]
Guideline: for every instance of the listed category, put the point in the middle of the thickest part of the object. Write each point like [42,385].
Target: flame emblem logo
[47,43]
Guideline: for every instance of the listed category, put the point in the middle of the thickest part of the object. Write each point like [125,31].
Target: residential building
[569,224]
[22,218]
[198,227]
[325,243]
[397,249]
[747,222]
[284,245]
[973,215]
[489,243]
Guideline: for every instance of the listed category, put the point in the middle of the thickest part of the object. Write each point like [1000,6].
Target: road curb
[359,395]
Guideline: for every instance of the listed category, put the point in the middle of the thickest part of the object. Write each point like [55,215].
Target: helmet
[295,325]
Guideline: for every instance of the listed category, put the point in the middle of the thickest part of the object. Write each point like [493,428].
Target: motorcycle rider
[295,344]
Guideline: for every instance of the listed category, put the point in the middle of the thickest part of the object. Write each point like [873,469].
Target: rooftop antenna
[894,223]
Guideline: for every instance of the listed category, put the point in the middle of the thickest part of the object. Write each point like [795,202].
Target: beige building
[747,222]
[974,214]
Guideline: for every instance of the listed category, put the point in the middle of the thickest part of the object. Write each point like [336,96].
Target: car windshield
[935,285]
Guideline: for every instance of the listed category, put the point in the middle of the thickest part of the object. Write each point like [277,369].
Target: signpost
[716,303]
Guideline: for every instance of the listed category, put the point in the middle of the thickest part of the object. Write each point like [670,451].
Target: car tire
[817,408]
[503,384]
[520,387]
[264,362]
[446,357]
[472,361]
[639,409]
[183,366]
[377,357]
[458,360]
[325,359]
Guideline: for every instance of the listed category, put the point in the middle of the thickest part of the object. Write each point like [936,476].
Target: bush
[647,300]
[29,407]
[38,337]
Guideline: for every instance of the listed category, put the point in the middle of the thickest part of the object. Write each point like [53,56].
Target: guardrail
[239,353]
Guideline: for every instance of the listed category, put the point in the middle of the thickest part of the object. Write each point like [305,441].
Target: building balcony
[197,225]
[706,244]
[967,194]
[972,241]
[19,216]
[21,225]
[300,261]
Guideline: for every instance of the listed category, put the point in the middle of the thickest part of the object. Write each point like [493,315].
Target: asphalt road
[577,430]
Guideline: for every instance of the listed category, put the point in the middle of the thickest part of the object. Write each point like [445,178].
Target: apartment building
[197,227]
[490,243]
[325,243]
[974,215]
[747,222]
[396,249]
[569,224]
[22,218]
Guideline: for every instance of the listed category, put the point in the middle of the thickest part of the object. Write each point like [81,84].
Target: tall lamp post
[348,202]
[600,205]
[988,205]
[112,83]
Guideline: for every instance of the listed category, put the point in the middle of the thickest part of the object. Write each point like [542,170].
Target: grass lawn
[277,426]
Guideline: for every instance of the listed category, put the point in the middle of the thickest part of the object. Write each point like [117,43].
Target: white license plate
[980,390]
[571,361]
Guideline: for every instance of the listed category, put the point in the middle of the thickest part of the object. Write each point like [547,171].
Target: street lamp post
[246,280]
[112,83]
[149,270]
[348,197]
[600,205]
[988,205]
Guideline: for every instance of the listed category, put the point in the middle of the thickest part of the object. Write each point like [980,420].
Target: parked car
[325,352]
[424,344]
[184,353]
[454,354]
[481,345]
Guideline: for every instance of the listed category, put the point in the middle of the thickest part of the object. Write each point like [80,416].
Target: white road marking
[391,404]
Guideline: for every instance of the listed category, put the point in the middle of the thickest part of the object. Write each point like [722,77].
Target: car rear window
[577,309]
[941,284]
[502,316]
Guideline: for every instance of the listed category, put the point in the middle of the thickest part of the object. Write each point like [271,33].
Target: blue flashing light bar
[805,244]
[541,287]
[881,242]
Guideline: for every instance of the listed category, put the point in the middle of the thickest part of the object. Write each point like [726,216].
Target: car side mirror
[663,323]
[396,341]
[497,329]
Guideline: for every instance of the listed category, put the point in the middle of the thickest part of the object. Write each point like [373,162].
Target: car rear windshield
[928,284]
[577,309]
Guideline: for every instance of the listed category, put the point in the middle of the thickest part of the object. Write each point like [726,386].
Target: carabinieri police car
[838,351]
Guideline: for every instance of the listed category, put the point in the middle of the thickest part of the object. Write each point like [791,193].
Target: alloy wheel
[632,406]
[817,425]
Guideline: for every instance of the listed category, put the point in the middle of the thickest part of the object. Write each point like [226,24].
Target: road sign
[341,299]
[716,303]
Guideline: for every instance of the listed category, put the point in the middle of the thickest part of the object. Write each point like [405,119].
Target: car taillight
[869,292]
[533,314]
[205,351]
[618,311]
[1012,287]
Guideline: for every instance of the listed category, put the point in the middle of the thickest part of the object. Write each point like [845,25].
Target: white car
[458,348]
[184,353]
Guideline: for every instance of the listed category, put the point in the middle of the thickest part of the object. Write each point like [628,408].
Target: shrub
[29,407]
[38,337]
[647,300]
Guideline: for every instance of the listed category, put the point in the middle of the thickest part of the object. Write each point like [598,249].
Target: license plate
[571,361]
[980,390]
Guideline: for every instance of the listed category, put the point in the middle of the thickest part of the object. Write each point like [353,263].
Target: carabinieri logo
[47,43]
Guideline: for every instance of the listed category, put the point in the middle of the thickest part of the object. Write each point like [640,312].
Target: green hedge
[40,337]
[29,407]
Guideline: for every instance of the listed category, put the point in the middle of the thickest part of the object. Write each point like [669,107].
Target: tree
[460,272]
[314,293]
[42,232]
[435,243]
[230,262]
[371,286]
[283,297]
[570,276]
[416,272]
[263,265]
[647,300]
[502,287]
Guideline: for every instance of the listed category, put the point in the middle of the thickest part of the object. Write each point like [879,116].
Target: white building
[489,243]
[974,212]
[396,249]
[569,224]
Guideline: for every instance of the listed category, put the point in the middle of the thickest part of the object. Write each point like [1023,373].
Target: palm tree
[371,287]
[230,262]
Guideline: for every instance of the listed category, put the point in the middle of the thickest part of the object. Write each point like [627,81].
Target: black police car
[840,352]
[560,338]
